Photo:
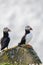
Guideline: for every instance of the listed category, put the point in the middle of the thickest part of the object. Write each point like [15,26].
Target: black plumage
[5,40]
[23,40]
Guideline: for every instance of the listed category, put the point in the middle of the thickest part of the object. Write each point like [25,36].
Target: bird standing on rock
[5,39]
[27,37]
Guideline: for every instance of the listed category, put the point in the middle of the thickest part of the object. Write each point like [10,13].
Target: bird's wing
[4,42]
[22,40]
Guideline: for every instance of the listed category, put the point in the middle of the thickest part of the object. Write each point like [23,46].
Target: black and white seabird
[27,37]
[5,39]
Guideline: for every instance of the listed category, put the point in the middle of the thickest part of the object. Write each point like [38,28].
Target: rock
[22,55]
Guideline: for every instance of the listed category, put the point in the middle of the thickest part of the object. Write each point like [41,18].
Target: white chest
[28,38]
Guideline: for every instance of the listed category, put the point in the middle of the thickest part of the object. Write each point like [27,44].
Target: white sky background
[16,14]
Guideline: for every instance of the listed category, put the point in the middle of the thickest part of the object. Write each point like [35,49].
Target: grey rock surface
[23,55]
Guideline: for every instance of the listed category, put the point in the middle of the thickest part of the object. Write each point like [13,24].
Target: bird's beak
[9,30]
[31,29]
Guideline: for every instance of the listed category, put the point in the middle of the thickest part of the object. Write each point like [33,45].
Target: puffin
[27,36]
[5,39]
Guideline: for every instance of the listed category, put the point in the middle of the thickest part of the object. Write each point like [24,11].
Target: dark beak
[9,30]
[31,29]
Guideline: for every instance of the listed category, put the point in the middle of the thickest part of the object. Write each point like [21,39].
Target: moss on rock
[23,55]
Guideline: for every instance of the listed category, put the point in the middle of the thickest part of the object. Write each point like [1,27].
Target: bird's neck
[5,34]
[27,32]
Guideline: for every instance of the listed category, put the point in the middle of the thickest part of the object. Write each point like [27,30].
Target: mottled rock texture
[23,55]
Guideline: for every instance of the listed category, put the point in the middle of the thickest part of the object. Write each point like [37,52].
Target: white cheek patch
[28,38]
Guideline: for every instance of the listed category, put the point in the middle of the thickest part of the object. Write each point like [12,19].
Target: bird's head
[28,29]
[6,29]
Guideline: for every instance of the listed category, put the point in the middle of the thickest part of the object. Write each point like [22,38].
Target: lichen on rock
[23,55]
